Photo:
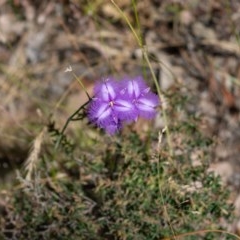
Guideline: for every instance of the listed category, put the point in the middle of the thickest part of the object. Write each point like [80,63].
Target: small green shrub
[123,187]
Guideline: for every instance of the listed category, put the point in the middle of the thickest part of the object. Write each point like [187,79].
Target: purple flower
[144,101]
[115,102]
[108,109]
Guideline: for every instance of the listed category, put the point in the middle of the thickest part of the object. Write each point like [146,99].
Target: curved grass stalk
[179,236]
[145,55]
[160,94]
[128,23]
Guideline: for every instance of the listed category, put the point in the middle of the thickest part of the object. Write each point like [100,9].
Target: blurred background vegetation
[139,184]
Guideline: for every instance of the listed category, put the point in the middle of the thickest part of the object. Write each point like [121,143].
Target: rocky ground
[192,43]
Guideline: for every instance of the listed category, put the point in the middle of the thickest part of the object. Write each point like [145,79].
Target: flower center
[111,104]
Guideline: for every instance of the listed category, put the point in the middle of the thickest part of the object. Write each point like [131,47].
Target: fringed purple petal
[99,112]
[121,105]
[117,102]
[103,112]
[147,104]
[133,87]
[107,90]
[112,127]
[125,110]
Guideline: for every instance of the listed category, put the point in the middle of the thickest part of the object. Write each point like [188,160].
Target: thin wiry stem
[159,180]
[145,56]
[82,85]
[71,118]
[137,21]
[128,23]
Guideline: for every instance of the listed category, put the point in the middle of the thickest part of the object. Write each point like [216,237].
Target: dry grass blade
[33,157]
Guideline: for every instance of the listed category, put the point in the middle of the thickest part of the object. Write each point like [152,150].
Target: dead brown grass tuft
[33,157]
